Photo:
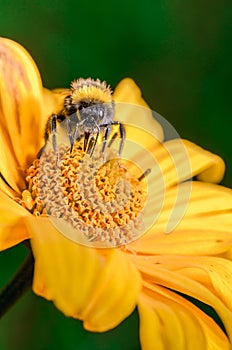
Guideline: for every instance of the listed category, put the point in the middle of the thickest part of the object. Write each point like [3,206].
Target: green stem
[18,285]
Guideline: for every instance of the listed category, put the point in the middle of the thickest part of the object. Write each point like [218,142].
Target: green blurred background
[178,52]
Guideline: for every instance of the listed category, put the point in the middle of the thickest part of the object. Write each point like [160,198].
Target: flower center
[100,199]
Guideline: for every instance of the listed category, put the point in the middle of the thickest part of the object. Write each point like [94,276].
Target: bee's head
[96,112]
[91,100]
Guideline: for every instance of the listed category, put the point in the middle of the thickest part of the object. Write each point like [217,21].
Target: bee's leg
[70,136]
[92,144]
[115,135]
[53,124]
[75,135]
[49,130]
[122,134]
[123,138]
[86,139]
[106,137]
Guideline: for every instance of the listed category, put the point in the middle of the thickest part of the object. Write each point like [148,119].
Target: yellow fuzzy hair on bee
[90,90]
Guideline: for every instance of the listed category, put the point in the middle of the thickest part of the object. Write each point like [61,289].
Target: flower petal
[196,329]
[170,162]
[132,109]
[79,279]
[150,328]
[213,272]
[4,187]
[208,167]
[178,159]
[22,111]
[114,298]
[12,226]
[59,96]
[182,159]
[166,325]
[158,275]
[65,272]
[204,229]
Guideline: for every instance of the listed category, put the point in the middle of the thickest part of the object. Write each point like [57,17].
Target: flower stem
[18,285]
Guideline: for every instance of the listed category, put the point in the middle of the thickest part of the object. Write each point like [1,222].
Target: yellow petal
[65,272]
[22,111]
[53,102]
[202,242]
[157,274]
[150,329]
[205,226]
[170,163]
[189,160]
[213,272]
[79,279]
[144,151]
[166,325]
[177,159]
[207,166]
[199,330]
[4,187]
[9,166]
[59,96]
[132,109]
[209,199]
[12,227]
[115,294]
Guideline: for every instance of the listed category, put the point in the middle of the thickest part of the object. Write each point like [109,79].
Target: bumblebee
[88,111]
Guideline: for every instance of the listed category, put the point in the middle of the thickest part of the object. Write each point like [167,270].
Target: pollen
[99,198]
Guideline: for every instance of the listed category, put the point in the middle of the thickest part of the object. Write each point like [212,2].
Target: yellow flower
[156,271]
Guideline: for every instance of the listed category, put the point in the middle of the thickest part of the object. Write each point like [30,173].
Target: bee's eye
[101,113]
